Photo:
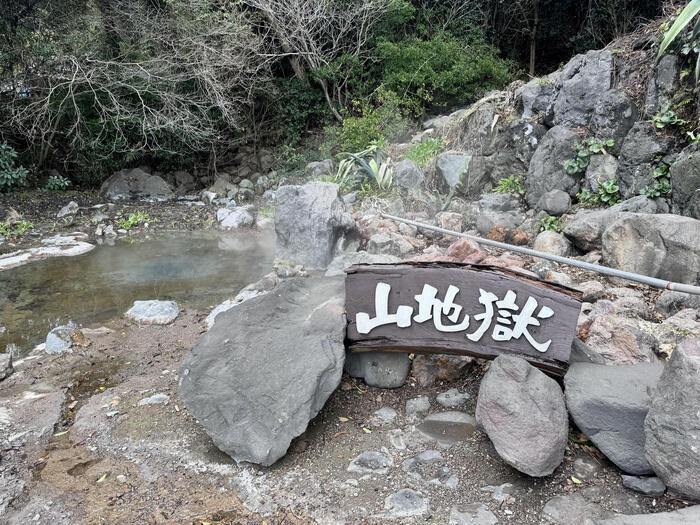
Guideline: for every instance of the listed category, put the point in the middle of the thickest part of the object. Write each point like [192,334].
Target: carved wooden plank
[480,290]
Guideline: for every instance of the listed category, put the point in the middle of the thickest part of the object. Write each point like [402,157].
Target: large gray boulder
[642,145]
[685,181]
[522,411]
[311,223]
[516,145]
[584,79]
[614,115]
[546,171]
[135,184]
[662,86]
[609,404]
[535,97]
[662,245]
[266,367]
[587,227]
[672,426]
[467,174]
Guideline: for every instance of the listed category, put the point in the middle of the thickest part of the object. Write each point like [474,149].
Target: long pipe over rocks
[651,281]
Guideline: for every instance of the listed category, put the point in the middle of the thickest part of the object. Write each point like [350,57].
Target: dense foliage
[90,86]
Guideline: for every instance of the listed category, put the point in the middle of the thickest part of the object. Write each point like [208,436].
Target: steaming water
[196,270]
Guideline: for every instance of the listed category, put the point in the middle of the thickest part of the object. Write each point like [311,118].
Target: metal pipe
[651,281]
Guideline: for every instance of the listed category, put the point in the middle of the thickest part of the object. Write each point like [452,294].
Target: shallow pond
[196,270]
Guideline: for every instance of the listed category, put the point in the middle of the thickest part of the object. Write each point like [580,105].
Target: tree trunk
[533,38]
[324,87]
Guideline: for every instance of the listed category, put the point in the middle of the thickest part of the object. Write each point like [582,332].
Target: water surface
[196,270]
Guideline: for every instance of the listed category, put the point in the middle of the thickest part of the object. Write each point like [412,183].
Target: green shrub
[422,152]
[373,123]
[57,183]
[511,184]
[442,71]
[11,176]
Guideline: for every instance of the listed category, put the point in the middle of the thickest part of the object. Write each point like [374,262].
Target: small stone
[472,514]
[554,202]
[592,291]
[453,398]
[153,312]
[500,493]
[157,399]
[586,468]
[406,502]
[371,462]
[553,243]
[652,486]
[383,416]
[429,466]
[560,278]
[69,209]
[59,340]
[417,405]
[121,478]
[670,303]
[379,369]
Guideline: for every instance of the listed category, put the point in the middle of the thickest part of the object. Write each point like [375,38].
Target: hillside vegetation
[91,86]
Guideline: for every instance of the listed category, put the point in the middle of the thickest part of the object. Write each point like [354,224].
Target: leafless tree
[314,33]
[187,75]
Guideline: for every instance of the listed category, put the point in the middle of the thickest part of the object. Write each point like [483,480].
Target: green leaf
[576,480]
[102,478]
[688,13]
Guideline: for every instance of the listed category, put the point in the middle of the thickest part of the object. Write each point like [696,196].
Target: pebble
[157,399]
[592,290]
[383,416]
[453,398]
[405,503]
[371,462]
[500,493]
[417,405]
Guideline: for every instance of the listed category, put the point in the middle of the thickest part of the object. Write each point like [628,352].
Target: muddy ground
[92,454]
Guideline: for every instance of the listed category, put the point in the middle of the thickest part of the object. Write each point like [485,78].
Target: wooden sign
[452,308]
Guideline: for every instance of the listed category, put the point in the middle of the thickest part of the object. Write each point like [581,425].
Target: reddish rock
[497,233]
[619,340]
[462,248]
